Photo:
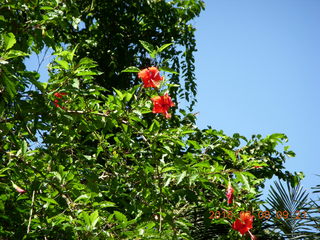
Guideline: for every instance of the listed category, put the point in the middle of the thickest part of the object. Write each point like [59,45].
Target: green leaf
[149,47]
[62,63]
[9,40]
[49,200]
[120,216]
[94,218]
[76,83]
[230,153]
[15,53]
[182,176]
[167,69]
[10,87]
[83,197]
[119,93]
[131,69]
[163,47]
[153,54]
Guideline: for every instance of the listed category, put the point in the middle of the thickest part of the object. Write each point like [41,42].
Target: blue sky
[258,70]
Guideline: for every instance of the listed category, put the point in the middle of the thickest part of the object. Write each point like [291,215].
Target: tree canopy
[102,150]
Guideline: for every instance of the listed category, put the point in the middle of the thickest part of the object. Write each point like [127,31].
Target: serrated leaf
[131,69]
[167,69]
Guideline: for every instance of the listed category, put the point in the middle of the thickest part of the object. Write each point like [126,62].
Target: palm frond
[287,208]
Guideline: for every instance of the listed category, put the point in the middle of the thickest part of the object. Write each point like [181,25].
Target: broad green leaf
[131,69]
[63,64]
[9,40]
[83,197]
[94,218]
[15,53]
[149,47]
[88,73]
[10,86]
[120,216]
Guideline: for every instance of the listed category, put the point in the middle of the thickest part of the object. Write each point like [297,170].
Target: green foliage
[84,157]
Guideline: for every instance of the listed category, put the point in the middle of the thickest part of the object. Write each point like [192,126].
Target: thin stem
[160,207]
[31,211]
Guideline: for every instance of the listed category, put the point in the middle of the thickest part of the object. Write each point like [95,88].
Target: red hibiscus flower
[229,194]
[150,77]
[161,104]
[59,95]
[18,189]
[56,101]
[244,223]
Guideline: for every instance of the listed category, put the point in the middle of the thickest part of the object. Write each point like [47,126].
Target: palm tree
[289,208]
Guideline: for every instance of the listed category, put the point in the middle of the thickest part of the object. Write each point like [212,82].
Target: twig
[31,211]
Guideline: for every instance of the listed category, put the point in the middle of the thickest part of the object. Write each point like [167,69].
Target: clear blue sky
[258,71]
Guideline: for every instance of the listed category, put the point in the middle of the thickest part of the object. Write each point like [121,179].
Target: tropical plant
[289,210]
[81,159]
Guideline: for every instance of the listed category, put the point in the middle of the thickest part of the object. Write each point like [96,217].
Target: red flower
[56,101]
[59,95]
[244,223]
[150,77]
[257,166]
[18,189]
[161,104]
[229,193]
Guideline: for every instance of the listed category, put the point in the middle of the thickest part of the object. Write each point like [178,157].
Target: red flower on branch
[150,77]
[59,95]
[229,194]
[161,104]
[56,101]
[244,223]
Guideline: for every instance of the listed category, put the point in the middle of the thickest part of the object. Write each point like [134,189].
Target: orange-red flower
[229,193]
[150,77]
[244,223]
[161,104]
[56,101]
